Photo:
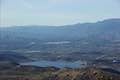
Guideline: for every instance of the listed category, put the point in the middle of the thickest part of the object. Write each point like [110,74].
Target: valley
[90,51]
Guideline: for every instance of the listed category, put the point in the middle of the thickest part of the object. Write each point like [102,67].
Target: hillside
[51,73]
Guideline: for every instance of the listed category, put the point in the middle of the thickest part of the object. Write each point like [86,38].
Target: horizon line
[40,25]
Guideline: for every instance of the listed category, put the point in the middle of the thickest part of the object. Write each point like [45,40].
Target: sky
[56,12]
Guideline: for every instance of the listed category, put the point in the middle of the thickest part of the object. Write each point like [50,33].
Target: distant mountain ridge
[68,32]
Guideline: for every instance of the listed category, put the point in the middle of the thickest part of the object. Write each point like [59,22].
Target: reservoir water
[59,64]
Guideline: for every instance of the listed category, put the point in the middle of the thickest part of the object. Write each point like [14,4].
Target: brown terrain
[17,72]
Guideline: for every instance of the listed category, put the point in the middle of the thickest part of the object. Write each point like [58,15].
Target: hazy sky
[56,12]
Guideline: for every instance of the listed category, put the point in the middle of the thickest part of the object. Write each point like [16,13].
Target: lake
[58,42]
[58,64]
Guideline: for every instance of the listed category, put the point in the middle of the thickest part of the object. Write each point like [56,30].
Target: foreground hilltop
[18,72]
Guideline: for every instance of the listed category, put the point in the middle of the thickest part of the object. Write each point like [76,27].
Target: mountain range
[108,28]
